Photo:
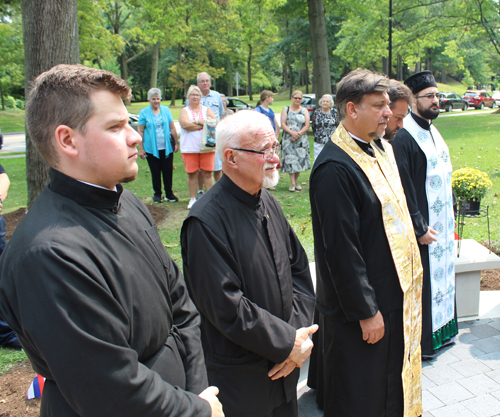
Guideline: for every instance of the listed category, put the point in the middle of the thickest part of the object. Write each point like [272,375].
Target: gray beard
[270,182]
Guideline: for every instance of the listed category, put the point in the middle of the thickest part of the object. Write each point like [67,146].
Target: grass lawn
[12,121]
[473,142]
[472,139]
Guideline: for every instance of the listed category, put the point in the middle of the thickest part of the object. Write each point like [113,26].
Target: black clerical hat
[420,81]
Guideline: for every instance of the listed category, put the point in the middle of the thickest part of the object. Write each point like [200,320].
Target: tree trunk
[229,67]
[399,76]
[177,78]
[385,66]
[428,65]
[155,54]
[249,69]
[174,92]
[307,78]
[50,34]
[290,76]
[321,61]
[1,94]
[418,66]
[285,76]
[122,60]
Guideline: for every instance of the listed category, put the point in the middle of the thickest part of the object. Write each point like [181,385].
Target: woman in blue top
[155,126]
[266,99]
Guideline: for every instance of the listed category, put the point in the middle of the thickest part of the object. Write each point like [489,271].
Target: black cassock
[412,165]
[100,308]
[356,277]
[249,277]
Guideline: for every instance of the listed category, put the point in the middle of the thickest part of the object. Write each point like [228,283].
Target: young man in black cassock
[367,263]
[99,306]
[425,168]
[249,277]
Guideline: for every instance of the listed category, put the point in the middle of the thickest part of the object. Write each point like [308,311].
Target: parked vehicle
[479,99]
[236,104]
[496,96]
[450,101]
[133,119]
[309,102]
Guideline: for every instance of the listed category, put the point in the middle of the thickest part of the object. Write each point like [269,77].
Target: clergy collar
[239,193]
[379,143]
[424,124]
[84,194]
[365,146]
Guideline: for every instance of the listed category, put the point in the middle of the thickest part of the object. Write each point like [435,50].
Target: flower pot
[472,207]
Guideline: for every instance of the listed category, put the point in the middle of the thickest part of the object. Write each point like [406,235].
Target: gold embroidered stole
[384,178]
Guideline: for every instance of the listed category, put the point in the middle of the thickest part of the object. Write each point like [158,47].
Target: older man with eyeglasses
[425,168]
[249,276]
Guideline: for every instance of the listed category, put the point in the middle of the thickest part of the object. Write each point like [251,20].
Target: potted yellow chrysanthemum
[470,185]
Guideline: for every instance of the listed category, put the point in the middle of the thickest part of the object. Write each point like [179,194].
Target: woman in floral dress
[324,121]
[295,147]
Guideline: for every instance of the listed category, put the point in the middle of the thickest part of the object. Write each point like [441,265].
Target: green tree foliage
[97,43]
[11,57]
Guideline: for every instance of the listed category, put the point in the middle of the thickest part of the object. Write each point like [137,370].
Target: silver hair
[154,92]
[243,123]
[328,96]
[200,74]
[190,90]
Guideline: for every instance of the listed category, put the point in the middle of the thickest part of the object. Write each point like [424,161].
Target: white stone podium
[468,266]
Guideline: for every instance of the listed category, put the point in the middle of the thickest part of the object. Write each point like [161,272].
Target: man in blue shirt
[213,100]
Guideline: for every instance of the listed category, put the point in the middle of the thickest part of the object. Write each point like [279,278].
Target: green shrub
[20,104]
[10,102]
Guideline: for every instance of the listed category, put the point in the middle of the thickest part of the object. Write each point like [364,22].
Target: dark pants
[363,379]
[159,166]
[7,335]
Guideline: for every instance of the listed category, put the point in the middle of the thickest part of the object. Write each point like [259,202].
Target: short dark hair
[61,96]
[355,85]
[398,91]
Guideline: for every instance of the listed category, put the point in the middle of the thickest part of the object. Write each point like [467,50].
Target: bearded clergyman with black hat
[425,168]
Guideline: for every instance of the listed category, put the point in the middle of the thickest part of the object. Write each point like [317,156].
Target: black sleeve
[313,121]
[337,211]
[91,348]
[407,154]
[187,320]
[217,292]
[303,290]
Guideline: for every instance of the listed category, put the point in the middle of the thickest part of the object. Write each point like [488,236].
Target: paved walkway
[464,379]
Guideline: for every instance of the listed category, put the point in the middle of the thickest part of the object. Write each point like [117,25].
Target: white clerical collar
[97,186]
[356,138]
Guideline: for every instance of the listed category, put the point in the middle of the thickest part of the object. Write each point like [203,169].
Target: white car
[496,96]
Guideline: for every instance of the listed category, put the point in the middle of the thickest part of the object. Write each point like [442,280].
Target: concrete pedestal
[468,266]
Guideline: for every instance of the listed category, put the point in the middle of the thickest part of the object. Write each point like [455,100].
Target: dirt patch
[13,218]
[490,278]
[14,386]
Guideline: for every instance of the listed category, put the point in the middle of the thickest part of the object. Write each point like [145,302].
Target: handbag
[208,137]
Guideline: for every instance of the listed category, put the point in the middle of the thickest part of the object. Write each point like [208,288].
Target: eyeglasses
[268,153]
[194,95]
[297,98]
[430,96]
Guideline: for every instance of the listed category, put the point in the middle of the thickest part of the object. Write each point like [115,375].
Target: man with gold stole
[425,169]
[369,275]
